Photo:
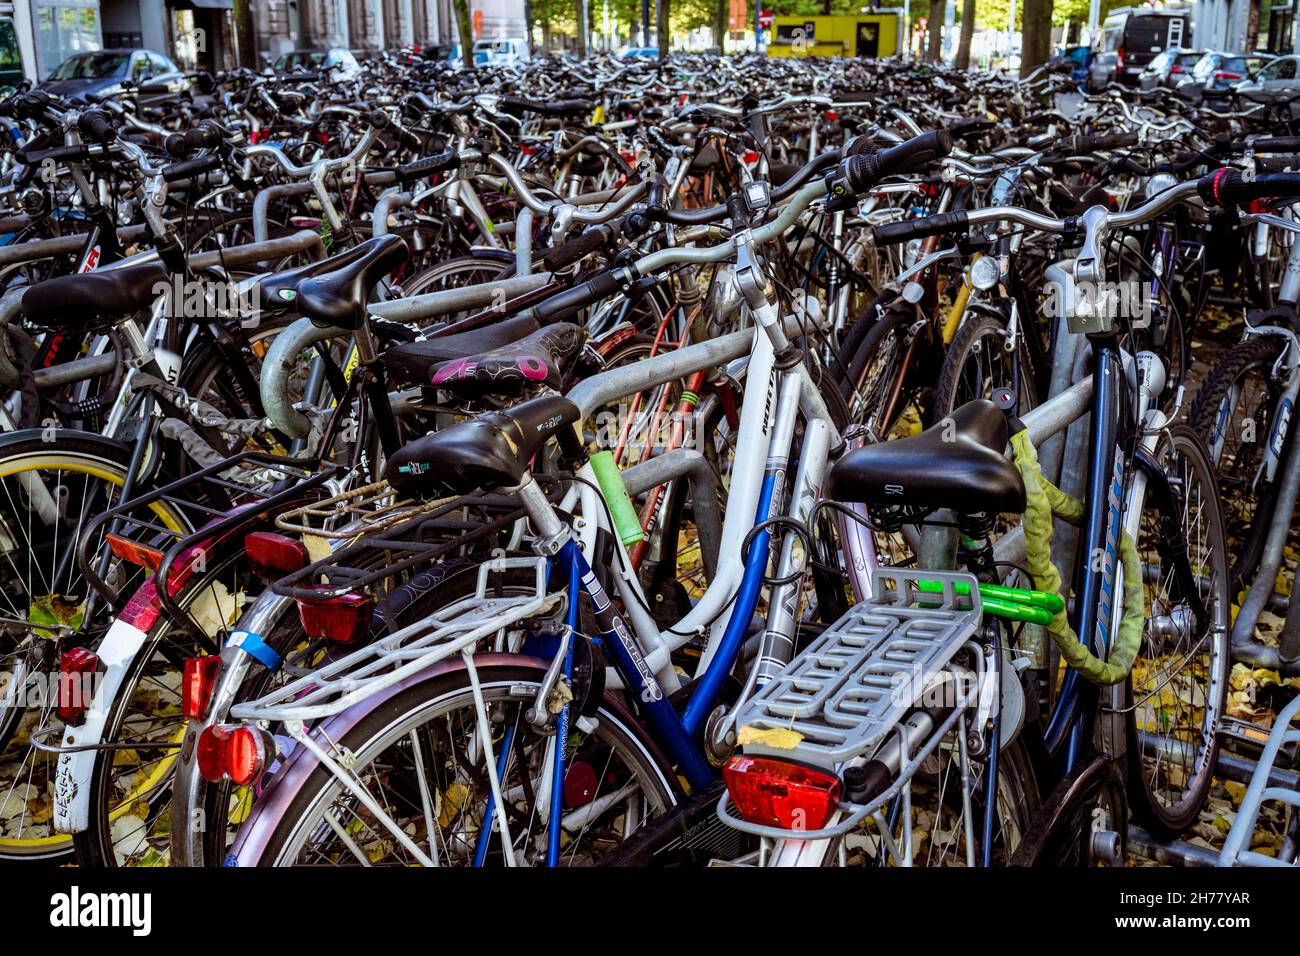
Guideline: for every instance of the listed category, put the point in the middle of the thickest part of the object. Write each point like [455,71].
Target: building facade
[198,34]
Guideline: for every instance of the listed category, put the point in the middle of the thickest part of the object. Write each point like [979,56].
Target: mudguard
[72,779]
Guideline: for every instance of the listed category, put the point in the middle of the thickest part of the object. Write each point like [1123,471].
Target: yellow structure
[868,34]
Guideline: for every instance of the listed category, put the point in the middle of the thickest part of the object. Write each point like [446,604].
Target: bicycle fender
[72,778]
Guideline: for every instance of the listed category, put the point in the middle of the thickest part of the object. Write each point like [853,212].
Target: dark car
[105,73]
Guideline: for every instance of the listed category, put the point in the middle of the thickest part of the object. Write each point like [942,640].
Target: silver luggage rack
[848,691]
[372,669]
[1236,848]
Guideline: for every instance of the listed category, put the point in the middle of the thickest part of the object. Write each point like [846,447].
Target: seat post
[376,386]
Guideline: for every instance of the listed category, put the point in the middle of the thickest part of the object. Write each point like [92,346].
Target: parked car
[337,59]
[1136,38]
[1102,70]
[503,52]
[1278,79]
[1168,68]
[110,72]
[1216,74]
[640,53]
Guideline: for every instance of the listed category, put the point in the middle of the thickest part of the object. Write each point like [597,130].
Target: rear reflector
[77,669]
[197,682]
[134,552]
[274,555]
[343,619]
[232,752]
[777,794]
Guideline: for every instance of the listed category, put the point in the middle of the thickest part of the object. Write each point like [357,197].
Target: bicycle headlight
[1158,184]
[985,273]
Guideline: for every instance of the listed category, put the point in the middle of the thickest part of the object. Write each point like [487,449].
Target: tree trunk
[465,30]
[580,25]
[721,13]
[935,31]
[1036,35]
[967,34]
[528,25]
[663,12]
[245,44]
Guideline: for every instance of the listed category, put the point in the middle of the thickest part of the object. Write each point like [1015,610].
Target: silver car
[1278,80]
[1168,68]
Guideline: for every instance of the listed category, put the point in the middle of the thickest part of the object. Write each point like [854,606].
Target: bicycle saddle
[415,361]
[538,359]
[79,300]
[279,292]
[338,297]
[957,463]
[490,451]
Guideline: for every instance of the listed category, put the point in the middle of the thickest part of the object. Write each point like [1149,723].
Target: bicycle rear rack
[847,693]
[207,506]
[1236,848]
[411,534]
[372,669]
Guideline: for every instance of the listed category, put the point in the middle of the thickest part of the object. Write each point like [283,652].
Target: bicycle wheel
[875,386]
[130,788]
[419,757]
[1234,413]
[1179,679]
[977,362]
[937,827]
[48,490]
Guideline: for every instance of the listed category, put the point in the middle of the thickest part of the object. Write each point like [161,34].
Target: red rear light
[1222,75]
[258,136]
[1119,59]
[751,157]
[234,753]
[77,669]
[197,682]
[831,116]
[343,619]
[777,794]
[274,555]
[134,552]
[1176,69]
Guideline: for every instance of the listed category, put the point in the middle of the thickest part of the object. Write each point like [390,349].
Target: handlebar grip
[191,168]
[566,303]
[1277,144]
[177,146]
[577,248]
[96,125]
[894,233]
[859,146]
[203,136]
[1227,187]
[439,162]
[378,119]
[1083,143]
[1114,141]
[863,172]
[74,154]
[1278,163]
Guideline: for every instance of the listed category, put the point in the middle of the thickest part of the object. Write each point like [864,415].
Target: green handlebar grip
[610,479]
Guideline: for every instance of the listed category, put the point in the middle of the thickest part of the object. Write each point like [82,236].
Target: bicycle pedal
[847,691]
